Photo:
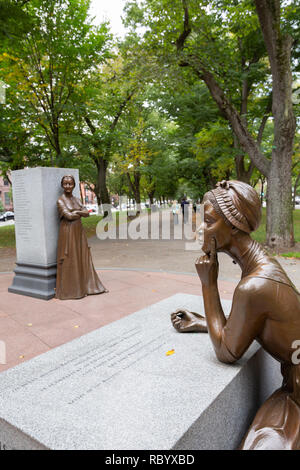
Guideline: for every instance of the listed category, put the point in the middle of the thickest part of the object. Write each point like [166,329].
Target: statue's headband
[223,197]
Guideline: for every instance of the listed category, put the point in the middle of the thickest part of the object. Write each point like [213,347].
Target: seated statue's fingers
[178,325]
[179,310]
[183,313]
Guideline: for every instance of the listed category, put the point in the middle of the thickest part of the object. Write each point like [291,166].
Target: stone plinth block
[135,384]
[35,192]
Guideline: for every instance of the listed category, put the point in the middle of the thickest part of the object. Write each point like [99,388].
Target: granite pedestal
[35,192]
[135,384]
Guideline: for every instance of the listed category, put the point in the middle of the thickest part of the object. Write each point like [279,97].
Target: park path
[168,255]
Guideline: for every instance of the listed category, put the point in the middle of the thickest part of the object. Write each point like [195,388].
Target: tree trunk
[242,173]
[278,170]
[98,202]
[56,139]
[279,204]
[151,196]
[135,187]
[137,196]
[102,165]
[279,191]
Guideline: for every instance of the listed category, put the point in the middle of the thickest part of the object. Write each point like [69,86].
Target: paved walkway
[137,273]
[154,255]
[31,326]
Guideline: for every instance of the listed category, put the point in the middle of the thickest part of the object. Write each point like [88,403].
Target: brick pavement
[31,326]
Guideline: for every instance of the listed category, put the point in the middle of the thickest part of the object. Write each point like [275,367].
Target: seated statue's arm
[232,337]
[65,212]
[246,320]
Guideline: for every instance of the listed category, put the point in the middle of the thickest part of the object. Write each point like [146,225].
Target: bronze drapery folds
[76,275]
[265,307]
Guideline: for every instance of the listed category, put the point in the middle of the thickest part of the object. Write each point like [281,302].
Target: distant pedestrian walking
[185,210]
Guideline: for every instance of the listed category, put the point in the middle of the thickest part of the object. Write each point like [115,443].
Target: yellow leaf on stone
[76,326]
[29,324]
[169,353]
[21,357]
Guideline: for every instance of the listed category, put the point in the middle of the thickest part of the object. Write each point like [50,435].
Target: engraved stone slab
[116,388]
[35,192]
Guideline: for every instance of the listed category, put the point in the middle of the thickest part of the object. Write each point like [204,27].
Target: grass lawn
[90,224]
[7,236]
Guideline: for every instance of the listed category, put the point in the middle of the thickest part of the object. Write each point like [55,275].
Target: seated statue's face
[214,226]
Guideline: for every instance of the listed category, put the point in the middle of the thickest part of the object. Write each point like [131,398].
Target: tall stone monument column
[35,192]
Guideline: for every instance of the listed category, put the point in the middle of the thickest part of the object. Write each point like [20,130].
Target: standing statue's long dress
[76,275]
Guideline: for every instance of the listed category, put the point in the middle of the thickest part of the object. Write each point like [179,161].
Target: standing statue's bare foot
[185,321]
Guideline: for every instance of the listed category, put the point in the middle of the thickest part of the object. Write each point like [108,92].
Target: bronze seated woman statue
[76,276]
[265,307]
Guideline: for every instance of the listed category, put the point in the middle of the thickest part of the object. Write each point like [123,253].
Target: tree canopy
[196,92]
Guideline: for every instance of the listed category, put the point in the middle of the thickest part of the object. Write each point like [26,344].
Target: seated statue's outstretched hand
[207,266]
[186,322]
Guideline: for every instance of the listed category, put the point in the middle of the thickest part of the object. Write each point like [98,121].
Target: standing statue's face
[214,226]
[68,185]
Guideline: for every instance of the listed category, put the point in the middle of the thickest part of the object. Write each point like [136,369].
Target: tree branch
[247,142]
[131,185]
[186,27]
[268,12]
[121,108]
[278,45]
[264,120]
[90,124]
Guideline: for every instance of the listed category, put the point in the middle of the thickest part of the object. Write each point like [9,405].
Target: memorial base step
[34,281]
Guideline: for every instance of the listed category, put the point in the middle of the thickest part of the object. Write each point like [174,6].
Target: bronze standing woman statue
[76,275]
[265,307]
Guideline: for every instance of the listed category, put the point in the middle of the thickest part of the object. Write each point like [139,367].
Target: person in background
[175,212]
[185,209]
